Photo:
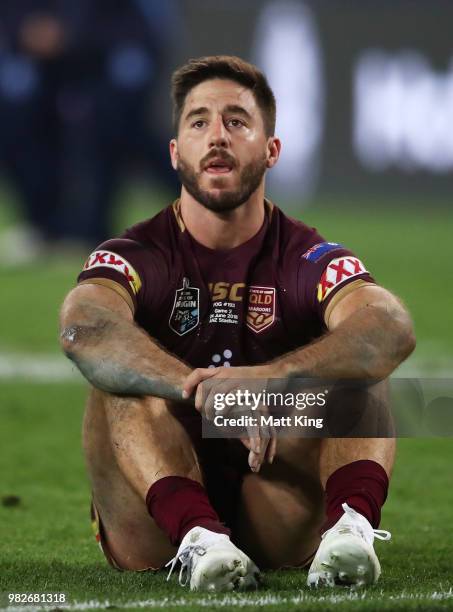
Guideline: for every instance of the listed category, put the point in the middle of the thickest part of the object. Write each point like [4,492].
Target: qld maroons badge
[185,315]
[261,308]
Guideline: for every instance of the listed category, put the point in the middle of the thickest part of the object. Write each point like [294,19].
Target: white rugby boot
[211,562]
[346,555]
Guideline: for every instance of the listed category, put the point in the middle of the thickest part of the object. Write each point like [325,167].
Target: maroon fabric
[241,306]
[178,504]
[363,485]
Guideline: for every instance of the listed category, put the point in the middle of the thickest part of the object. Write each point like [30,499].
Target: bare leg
[282,507]
[337,452]
[130,443]
[374,416]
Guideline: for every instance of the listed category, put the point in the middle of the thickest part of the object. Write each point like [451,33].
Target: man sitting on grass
[221,285]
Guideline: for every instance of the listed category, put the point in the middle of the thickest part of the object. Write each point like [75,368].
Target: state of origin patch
[185,314]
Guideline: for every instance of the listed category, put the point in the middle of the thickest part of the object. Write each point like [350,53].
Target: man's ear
[174,153]
[274,147]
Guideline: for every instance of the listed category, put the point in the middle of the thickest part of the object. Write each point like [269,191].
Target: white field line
[55,368]
[241,601]
[39,367]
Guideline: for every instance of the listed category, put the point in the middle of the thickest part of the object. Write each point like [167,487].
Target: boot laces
[186,557]
[356,527]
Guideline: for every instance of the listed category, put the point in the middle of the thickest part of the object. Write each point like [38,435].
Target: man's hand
[261,440]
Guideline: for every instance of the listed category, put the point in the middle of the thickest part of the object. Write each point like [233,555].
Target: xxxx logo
[338,271]
[107,259]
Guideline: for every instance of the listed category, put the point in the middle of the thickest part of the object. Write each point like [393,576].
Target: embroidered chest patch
[185,314]
[261,308]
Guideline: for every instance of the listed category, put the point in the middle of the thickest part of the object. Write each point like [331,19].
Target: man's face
[222,152]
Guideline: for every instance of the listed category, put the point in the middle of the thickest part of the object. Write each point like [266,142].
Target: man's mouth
[218,166]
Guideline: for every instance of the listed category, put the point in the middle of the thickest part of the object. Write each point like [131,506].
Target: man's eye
[235,122]
[198,124]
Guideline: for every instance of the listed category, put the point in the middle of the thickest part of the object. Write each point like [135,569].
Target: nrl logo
[185,315]
[261,308]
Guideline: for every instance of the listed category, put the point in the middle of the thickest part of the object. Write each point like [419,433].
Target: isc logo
[233,292]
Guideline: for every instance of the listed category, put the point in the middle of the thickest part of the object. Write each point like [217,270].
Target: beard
[249,180]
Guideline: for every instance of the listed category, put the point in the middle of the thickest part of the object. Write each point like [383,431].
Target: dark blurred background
[78,93]
[364,90]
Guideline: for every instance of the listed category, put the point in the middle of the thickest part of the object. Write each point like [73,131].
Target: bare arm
[99,335]
[370,334]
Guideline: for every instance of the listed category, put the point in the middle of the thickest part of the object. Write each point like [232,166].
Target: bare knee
[146,429]
[129,444]
[143,438]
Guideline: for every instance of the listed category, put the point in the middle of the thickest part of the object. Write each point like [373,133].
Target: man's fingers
[253,432]
[195,378]
[254,461]
[199,397]
[262,445]
[256,443]
[256,458]
[258,446]
[272,449]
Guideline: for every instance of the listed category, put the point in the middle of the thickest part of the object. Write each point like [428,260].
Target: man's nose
[218,135]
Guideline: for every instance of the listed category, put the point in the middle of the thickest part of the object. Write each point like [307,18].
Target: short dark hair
[228,67]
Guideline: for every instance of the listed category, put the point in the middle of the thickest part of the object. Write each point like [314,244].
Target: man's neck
[224,230]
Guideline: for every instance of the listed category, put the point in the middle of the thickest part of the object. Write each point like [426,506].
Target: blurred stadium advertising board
[364,88]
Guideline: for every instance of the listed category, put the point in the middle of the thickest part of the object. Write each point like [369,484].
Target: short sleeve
[118,264]
[325,270]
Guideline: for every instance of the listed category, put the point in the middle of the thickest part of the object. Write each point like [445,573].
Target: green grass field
[46,544]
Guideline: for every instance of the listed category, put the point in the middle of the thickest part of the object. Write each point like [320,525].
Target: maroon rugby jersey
[241,306]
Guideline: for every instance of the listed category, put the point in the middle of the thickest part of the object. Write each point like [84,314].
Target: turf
[46,543]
